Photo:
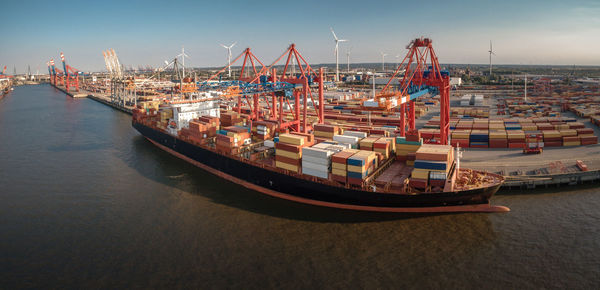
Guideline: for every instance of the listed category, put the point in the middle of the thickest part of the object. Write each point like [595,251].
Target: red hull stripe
[458,208]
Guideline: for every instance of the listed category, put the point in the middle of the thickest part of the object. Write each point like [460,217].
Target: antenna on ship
[457,157]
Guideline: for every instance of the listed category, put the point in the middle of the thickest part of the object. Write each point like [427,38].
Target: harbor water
[87,202]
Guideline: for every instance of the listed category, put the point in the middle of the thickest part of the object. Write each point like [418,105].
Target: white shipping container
[346,139]
[316,160]
[316,152]
[437,175]
[314,166]
[356,134]
[312,172]
[269,143]
[339,147]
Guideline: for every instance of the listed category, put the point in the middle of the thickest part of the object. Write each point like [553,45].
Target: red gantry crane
[255,81]
[422,74]
[71,75]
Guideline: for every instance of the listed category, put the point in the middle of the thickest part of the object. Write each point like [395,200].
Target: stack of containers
[165,114]
[571,141]
[586,135]
[569,137]
[481,124]
[528,126]
[358,134]
[367,143]
[516,138]
[199,130]
[432,165]
[383,146]
[545,127]
[576,125]
[479,139]
[325,131]
[512,125]
[496,125]
[466,124]
[288,152]
[585,132]
[552,138]
[405,148]
[413,136]
[263,130]
[360,165]
[461,137]
[230,119]
[350,140]
[498,139]
[316,161]
[229,138]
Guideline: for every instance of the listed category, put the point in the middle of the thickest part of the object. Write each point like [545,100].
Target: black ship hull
[292,188]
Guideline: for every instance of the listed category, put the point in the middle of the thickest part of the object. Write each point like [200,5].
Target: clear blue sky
[148,32]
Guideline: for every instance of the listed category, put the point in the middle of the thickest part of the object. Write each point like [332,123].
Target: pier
[99,97]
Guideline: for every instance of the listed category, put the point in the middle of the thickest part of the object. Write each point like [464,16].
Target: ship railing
[371,179]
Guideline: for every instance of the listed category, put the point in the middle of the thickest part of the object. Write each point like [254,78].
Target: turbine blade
[233,44]
[334,36]
[343,40]
[222,45]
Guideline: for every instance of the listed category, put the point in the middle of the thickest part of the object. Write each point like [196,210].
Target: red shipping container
[589,140]
[498,143]
[288,147]
[516,145]
[401,158]
[552,143]
[355,181]
[338,178]
[461,142]
[437,182]
[291,161]
[417,183]
[585,131]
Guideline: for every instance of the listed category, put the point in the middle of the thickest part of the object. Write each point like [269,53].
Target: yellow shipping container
[291,139]
[339,166]
[567,133]
[420,173]
[338,172]
[407,147]
[284,165]
[288,154]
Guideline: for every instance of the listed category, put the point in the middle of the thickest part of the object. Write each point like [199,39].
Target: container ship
[330,166]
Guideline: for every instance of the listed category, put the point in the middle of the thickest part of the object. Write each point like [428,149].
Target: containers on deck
[288,151]
[432,165]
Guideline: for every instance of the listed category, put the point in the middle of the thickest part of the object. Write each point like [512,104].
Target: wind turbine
[229,57]
[337,41]
[183,56]
[348,58]
[383,61]
[491,52]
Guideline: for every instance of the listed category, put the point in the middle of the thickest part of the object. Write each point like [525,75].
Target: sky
[146,33]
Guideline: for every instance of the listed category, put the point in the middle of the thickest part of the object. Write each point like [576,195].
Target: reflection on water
[85,201]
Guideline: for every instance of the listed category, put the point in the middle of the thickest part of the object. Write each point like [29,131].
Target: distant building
[456,81]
